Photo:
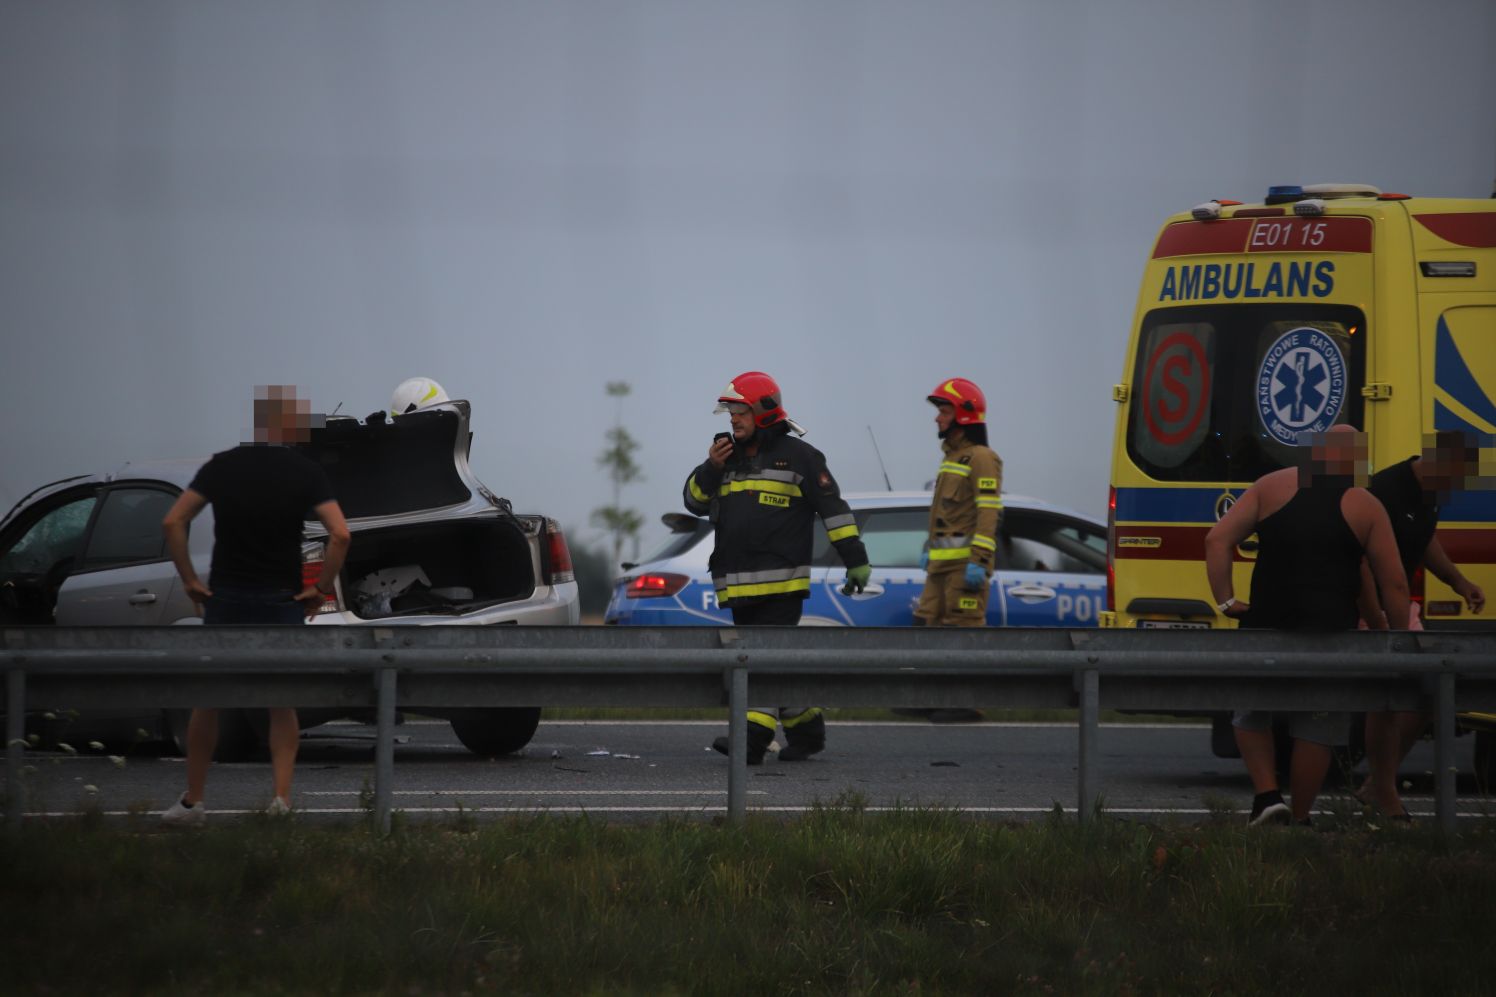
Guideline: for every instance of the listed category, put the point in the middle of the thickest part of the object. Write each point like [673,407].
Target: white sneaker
[1273,813]
[278,808]
[180,814]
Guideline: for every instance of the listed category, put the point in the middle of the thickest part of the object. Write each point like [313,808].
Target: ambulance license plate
[1171,625]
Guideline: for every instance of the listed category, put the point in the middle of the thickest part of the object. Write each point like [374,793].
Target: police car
[1051,570]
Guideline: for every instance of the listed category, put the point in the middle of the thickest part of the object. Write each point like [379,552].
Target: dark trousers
[229,606]
[780,611]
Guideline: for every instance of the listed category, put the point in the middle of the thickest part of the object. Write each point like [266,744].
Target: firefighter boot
[759,739]
[806,735]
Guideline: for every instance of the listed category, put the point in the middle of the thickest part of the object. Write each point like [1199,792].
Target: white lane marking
[537,792]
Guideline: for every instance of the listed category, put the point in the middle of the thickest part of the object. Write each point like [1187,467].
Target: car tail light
[311,573]
[1111,550]
[557,555]
[655,585]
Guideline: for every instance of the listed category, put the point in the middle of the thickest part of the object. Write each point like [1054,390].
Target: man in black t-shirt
[1411,491]
[261,493]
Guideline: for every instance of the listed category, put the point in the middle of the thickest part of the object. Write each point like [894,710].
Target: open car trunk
[439,568]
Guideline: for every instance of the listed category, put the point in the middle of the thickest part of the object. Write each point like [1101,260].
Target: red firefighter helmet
[759,392]
[967,399]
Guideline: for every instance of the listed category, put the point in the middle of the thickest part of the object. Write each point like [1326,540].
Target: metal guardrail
[386,667]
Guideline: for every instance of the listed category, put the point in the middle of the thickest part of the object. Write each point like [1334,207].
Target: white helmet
[416,393]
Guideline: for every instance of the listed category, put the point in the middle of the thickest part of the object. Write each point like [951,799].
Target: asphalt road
[640,770]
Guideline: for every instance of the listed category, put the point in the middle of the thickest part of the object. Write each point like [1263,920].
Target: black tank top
[1308,570]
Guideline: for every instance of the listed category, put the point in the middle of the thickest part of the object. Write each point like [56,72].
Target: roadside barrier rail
[387,667]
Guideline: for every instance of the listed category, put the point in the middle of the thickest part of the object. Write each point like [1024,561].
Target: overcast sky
[528,200]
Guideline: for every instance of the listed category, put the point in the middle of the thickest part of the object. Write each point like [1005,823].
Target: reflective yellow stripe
[761,485]
[764,588]
[697,493]
[987,543]
[809,714]
[762,719]
[989,503]
[842,533]
[962,469]
[950,553]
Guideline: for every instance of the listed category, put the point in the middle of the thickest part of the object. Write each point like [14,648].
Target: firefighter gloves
[857,579]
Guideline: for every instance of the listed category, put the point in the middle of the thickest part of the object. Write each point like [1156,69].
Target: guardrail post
[15,747]
[1445,798]
[737,744]
[384,749]
[1090,713]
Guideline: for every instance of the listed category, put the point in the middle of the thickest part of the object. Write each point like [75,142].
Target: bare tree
[618,458]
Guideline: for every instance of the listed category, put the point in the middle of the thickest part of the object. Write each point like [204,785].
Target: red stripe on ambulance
[1477,231]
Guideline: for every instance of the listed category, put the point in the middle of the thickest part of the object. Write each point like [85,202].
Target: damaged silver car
[431,546]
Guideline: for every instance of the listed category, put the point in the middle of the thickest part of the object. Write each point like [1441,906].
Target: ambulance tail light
[311,573]
[1111,550]
[557,561]
[655,585]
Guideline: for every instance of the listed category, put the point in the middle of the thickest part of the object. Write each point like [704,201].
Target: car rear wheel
[496,731]
[238,740]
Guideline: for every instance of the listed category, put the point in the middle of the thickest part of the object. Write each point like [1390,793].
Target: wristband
[1221,607]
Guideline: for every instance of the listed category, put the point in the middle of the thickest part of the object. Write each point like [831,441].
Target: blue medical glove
[976,575]
[924,560]
[857,579]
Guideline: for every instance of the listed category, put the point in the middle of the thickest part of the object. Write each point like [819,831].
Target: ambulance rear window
[1221,392]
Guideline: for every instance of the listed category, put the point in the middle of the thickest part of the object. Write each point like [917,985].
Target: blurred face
[280,416]
[945,417]
[1341,451]
[1445,468]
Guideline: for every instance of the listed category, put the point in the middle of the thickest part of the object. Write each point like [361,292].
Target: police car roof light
[1312,206]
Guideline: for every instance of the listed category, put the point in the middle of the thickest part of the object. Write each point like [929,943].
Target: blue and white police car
[1051,570]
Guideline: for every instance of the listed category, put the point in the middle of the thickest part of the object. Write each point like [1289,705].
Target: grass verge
[839,901]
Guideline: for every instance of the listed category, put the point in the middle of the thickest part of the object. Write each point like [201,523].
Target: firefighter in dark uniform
[763,489]
[964,512]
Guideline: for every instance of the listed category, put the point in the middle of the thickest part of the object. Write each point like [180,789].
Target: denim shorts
[230,606]
[1329,729]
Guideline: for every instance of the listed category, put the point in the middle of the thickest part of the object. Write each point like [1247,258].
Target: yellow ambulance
[1256,322]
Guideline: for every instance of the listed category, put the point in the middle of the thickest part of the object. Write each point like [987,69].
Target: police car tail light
[311,572]
[557,555]
[656,585]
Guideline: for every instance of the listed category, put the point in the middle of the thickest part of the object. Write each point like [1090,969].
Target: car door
[1051,570]
[894,538]
[39,547]
[124,576]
